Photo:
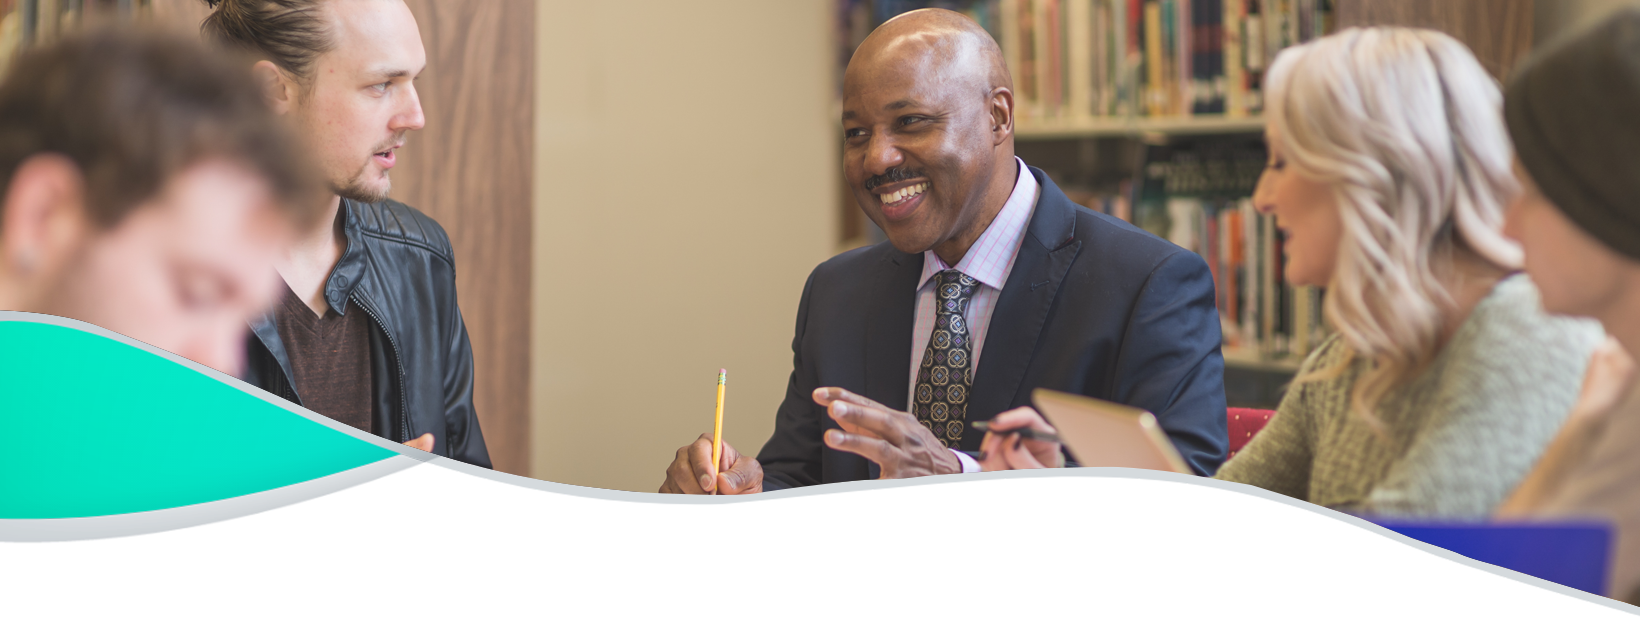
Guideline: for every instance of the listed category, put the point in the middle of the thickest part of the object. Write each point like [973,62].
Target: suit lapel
[1045,257]
[892,304]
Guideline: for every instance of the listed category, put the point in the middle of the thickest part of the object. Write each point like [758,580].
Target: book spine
[1042,50]
[1291,20]
[1215,58]
[1268,249]
[1179,84]
[1029,101]
[1054,26]
[1235,80]
[1128,18]
[1212,250]
[1104,53]
[1153,58]
[1250,290]
[1274,30]
[1082,57]
[1198,61]
[1230,228]
[1008,12]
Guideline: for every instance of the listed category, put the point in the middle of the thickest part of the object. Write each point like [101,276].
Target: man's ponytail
[289,33]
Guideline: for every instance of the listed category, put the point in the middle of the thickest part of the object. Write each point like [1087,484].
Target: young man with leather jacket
[368,332]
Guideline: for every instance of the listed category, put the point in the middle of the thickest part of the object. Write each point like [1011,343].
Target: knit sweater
[1455,440]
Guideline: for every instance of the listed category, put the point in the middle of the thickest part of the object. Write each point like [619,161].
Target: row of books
[24,23]
[1079,60]
[1258,310]
[1197,196]
[1082,59]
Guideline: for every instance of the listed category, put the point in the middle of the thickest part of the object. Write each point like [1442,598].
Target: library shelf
[1251,359]
[1097,127]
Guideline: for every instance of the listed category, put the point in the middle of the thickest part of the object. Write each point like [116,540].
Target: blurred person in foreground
[1389,173]
[367,331]
[145,188]
[1578,220]
[992,283]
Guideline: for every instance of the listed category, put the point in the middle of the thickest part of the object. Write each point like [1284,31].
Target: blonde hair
[1407,129]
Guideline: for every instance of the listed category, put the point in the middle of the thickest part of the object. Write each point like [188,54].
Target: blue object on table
[1571,553]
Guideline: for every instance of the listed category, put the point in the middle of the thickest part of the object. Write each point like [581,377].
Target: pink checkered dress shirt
[988,261]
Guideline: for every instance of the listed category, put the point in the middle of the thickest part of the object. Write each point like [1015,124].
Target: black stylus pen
[1027,433]
[464,507]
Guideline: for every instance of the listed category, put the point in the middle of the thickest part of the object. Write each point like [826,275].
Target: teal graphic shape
[93,426]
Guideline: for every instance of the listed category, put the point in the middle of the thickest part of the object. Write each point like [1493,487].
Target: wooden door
[470,169]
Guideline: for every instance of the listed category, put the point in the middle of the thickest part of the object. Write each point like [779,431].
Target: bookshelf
[1125,103]
[1149,110]
[1106,127]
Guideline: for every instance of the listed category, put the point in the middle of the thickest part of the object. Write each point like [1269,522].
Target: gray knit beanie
[1573,110]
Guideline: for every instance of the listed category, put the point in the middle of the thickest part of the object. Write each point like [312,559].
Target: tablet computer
[1106,434]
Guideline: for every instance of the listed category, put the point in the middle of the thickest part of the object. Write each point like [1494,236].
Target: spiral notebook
[919,540]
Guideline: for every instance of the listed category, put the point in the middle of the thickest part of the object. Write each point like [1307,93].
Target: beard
[357,189]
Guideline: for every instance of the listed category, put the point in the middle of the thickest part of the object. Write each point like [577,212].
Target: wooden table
[686,588]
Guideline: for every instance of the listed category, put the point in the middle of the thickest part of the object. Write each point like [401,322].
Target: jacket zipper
[404,405]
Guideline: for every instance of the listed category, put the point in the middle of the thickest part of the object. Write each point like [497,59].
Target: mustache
[890,176]
[396,141]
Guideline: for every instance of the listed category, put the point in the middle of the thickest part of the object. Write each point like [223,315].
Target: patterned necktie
[947,369]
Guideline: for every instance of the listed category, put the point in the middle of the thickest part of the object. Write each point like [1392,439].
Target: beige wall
[684,188]
[1555,16]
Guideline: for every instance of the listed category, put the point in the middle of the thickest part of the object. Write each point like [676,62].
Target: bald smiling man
[991,284]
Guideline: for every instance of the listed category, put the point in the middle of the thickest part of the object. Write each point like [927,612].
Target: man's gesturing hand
[894,440]
[389,512]
[691,472]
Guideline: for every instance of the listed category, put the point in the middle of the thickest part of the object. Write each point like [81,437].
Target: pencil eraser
[797,575]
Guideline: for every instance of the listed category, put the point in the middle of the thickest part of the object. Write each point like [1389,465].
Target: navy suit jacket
[1094,306]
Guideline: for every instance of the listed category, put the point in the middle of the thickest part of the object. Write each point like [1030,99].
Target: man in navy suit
[992,284]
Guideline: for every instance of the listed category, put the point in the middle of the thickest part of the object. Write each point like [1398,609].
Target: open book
[437,578]
[850,544]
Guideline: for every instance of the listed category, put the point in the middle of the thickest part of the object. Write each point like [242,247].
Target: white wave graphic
[842,488]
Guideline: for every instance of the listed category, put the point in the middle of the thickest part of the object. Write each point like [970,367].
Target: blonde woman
[1389,172]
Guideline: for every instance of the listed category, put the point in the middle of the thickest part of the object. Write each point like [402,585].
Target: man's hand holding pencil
[693,471]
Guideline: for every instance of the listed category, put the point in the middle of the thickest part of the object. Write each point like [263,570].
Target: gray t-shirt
[17,580]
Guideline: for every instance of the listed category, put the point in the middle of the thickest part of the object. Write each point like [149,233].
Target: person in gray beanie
[1573,111]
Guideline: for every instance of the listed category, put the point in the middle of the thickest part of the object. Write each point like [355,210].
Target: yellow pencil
[717,429]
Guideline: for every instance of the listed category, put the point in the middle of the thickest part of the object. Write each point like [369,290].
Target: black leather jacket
[398,269]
